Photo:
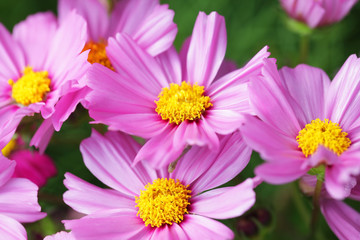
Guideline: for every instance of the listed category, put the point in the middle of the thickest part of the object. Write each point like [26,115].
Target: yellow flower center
[9,148]
[32,87]
[162,202]
[182,102]
[326,133]
[97,53]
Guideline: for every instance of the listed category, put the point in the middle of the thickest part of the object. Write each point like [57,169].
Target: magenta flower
[317,13]
[18,202]
[172,100]
[41,63]
[305,121]
[61,236]
[153,204]
[32,165]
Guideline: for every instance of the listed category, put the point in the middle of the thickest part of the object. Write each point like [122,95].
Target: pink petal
[157,31]
[343,99]
[110,158]
[12,58]
[34,166]
[11,229]
[60,236]
[271,102]
[173,232]
[232,158]
[342,219]
[270,143]
[87,198]
[198,227]
[43,135]
[115,101]
[227,66]
[308,87]
[282,172]
[170,63]
[223,203]
[18,200]
[207,49]
[35,35]
[110,225]
[94,13]
[131,60]
[7,169]
[335,184]
[336,10]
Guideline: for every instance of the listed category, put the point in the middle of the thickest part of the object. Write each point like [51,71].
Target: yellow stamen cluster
[97,53]
[182,102]
[164,201]
[32,87]
[326,133]
[9,148]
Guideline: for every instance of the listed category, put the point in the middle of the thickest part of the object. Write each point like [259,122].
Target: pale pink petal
[173,232]
[115,101]
[342,219]
[223,203]
[18,200]
[34,166]
[207,49]
[12,58]
[198,227]
[183,56]
[35,35]
[170,63]
[271,102]
[61,236]
[11,229]
[229,161]
[226,67]
[43,135]
[270,143]
[110,225]
[7,169]
[111,162]
[282,172]
[322,155]
[343,100]
[336,10]
[87,198]
[335,184]
[94,13]
[157,31]
[308,87]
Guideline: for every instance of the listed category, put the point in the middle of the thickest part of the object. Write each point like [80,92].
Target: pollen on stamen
[324,133]
[98,54]
[32,87]
[165,201]
[182,102]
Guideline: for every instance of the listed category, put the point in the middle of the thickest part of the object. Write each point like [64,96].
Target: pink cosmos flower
[32,165]
[172,99]
[317,13]
[18,202]
[40,64]
[304,122]
[145,203]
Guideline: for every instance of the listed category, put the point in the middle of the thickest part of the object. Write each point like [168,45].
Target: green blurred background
[250,26]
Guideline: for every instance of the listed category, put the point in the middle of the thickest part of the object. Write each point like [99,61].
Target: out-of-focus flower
[40,64]
[172,99]
[148,22]
[29,164]
[18,202]
[154,204]
[317,13]
[305,122]
[61,236]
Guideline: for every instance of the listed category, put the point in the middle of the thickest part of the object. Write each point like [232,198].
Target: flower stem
[173,164]
[316,208]
[304,48]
